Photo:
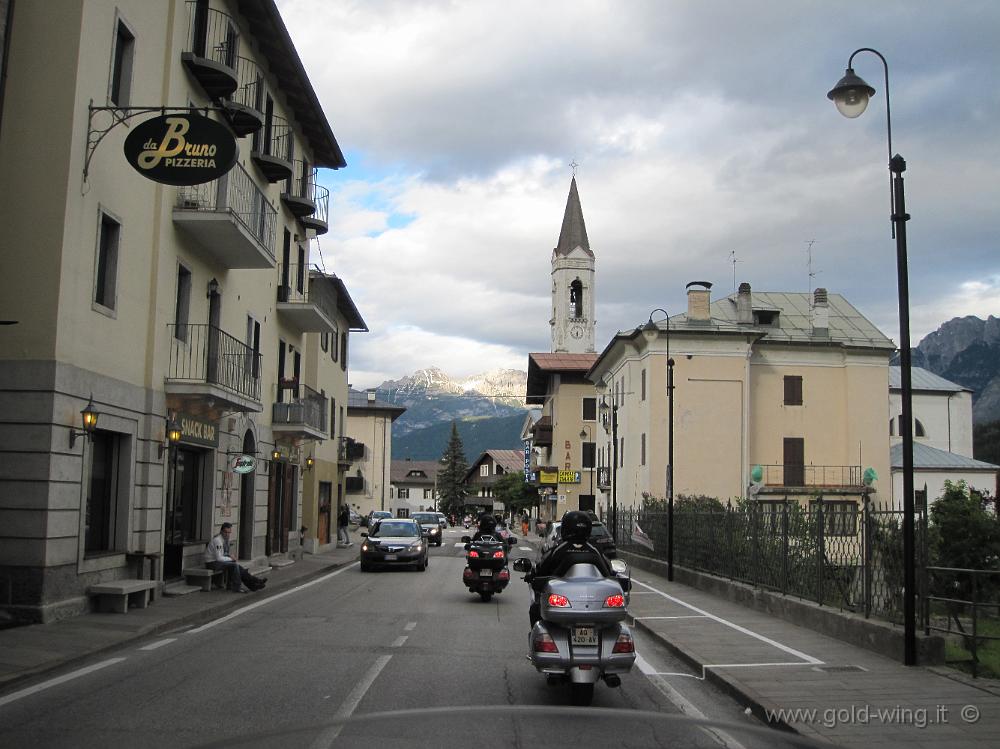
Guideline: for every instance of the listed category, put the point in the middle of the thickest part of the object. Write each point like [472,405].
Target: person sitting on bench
[217,558]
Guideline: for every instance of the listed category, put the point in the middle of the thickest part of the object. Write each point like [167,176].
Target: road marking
[398,642]
[58,680]
[410,626]
[265,601]
[691,616]
[460,544]
[684,704]
[791,651]
[347,708]
[160,644]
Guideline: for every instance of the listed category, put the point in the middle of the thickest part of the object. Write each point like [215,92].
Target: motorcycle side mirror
[522,564]
[513,540]
[619,567]
[466,540]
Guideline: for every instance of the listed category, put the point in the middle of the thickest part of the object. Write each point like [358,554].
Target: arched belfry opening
[576,299]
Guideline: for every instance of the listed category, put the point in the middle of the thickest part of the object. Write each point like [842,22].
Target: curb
[203,616]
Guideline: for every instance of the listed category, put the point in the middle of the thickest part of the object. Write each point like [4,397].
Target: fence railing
[212,34]
[295,285]
[958,604]
[250,91]
[275,138]
[821,552]
[205,354]
[811,475]
[303,405]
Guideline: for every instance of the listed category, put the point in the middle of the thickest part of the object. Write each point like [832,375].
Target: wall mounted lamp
[172,437]
[89,414]
[213,287]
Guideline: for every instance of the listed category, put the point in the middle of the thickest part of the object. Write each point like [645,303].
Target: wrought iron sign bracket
[102,120]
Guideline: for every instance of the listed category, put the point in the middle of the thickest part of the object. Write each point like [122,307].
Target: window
[892,427]
[334,337]
[300,271]
[484,469]
[101,520]
[839,518]
[589,454]
[253,346]
[918,429]
[794,461]
[404,493]
[621,452]
[793,390]
[324,341]
[343,351]
[771,514]
[333,417]
[590,409]
[182,308]
[576,299]
[107,261]
[642,393]
[642,449]
[121,66]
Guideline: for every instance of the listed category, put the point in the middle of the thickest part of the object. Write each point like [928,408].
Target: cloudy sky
[701,129]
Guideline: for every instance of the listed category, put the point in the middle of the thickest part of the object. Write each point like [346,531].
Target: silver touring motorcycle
[581,636]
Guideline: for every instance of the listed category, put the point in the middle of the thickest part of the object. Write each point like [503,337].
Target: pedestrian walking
[343,520]
[525,524]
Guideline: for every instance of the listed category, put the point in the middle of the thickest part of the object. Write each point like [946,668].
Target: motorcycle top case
[486,560]
[586,594]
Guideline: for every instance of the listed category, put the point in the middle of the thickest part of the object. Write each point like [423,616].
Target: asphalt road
[277,672]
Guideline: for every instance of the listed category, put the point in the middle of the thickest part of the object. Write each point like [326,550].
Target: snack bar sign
[181,149]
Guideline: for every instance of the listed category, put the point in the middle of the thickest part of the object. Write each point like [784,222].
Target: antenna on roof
[809,266]
[734,260]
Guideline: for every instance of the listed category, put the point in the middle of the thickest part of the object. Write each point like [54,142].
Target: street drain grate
[839,669]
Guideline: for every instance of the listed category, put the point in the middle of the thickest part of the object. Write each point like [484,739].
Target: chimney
[744,305]
[699,301]
[820,313]
[371,395]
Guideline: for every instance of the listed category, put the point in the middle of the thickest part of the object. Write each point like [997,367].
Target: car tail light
[473,554]
[616,601]
[544,643]
[561,602]
[498,555]
[624,644]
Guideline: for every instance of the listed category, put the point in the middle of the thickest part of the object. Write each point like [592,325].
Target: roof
[511,461]
[541,366]
[926,457]
[924,379]
[399,471]
[358,399]
[574,232]
[283,61]
[345,305]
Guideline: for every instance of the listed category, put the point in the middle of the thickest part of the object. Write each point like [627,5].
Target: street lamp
[584,435]
[88,416]
[611,413]
[650,331]
[851,96]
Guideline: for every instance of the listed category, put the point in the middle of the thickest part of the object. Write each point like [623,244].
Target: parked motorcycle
[486,572]
[581,636]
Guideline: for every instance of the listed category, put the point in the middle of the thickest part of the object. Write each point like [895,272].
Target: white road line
[460,544]
[265,601]
[58,680]
[349,705]
[684,704]
[691,616]
[410,626]
[398,642]
[791,651]
[160,644]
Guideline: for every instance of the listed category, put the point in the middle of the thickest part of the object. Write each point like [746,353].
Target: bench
[204,577]
[117,595]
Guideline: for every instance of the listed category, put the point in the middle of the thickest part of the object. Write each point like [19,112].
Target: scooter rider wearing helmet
[575,548]
[487,528]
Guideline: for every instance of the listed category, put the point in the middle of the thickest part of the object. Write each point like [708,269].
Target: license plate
[584,636]
[486,573]
[391,557]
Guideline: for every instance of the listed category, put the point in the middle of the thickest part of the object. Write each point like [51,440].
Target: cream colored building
[369,454]
[794,385]
[157,304]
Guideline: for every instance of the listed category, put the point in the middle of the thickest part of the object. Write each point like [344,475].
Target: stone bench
[204,577]
[117,595]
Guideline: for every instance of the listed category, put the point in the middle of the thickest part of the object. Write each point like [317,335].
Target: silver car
[429,526]
[394,542]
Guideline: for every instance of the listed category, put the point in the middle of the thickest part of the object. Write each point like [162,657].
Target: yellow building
[155,305]
[792,384]
[368,432]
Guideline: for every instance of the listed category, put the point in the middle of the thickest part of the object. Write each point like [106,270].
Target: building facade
[369,453]
[414,484]
[154,305]
[484,472]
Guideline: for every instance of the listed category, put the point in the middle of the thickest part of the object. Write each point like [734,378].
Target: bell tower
[572,323]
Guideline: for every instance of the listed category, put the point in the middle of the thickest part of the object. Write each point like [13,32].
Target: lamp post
[651,331]
[611,412]
[583,435]
[851,95]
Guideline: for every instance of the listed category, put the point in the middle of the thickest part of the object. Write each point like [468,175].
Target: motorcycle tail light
[624,644]
[616,601]
[559,601]
[504,575]
[467,572]
[473,554]
[544,644]
[498,555]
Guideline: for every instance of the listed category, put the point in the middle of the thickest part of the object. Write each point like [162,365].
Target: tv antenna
[809,266]
[733,259]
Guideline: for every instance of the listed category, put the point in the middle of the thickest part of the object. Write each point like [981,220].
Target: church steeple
[572,320]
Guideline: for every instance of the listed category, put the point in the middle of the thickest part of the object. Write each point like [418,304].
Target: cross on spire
[573,165]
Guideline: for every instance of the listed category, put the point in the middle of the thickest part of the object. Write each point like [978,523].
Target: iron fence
[833,553]
[789,474]
[206,354]
[964,605]
[212,34]
[250,91]
[303,405]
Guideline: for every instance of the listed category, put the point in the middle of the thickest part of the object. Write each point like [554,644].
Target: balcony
[318,219]
[208,363]
[831,479]
[272,149]
[230,218]
[310,308]
[299,412]
[210,52]
[543,432]
[243,109]
[354,484]
[299,191]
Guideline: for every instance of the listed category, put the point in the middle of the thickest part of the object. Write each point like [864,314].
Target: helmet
[487,523]
[576,526]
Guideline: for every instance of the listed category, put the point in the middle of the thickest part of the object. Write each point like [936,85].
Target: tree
[516,493]
[451,477]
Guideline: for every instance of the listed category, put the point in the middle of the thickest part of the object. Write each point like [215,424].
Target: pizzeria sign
[181,149]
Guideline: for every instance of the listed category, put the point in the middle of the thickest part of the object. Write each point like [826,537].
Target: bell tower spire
[572,323]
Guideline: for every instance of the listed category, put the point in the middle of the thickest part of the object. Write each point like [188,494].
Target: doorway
[325,498]
[183,502]
[280,506]
[247,500]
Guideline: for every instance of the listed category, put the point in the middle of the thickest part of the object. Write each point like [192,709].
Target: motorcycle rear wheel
[581,695]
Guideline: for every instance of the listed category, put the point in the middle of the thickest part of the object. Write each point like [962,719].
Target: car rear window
[389,528]
[424,517]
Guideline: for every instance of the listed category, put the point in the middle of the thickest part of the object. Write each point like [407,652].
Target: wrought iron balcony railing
[205,354]
[812,476]
[301,405]
[212,49]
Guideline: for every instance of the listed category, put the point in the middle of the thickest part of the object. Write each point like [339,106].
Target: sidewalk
[815,685]
[29,651]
